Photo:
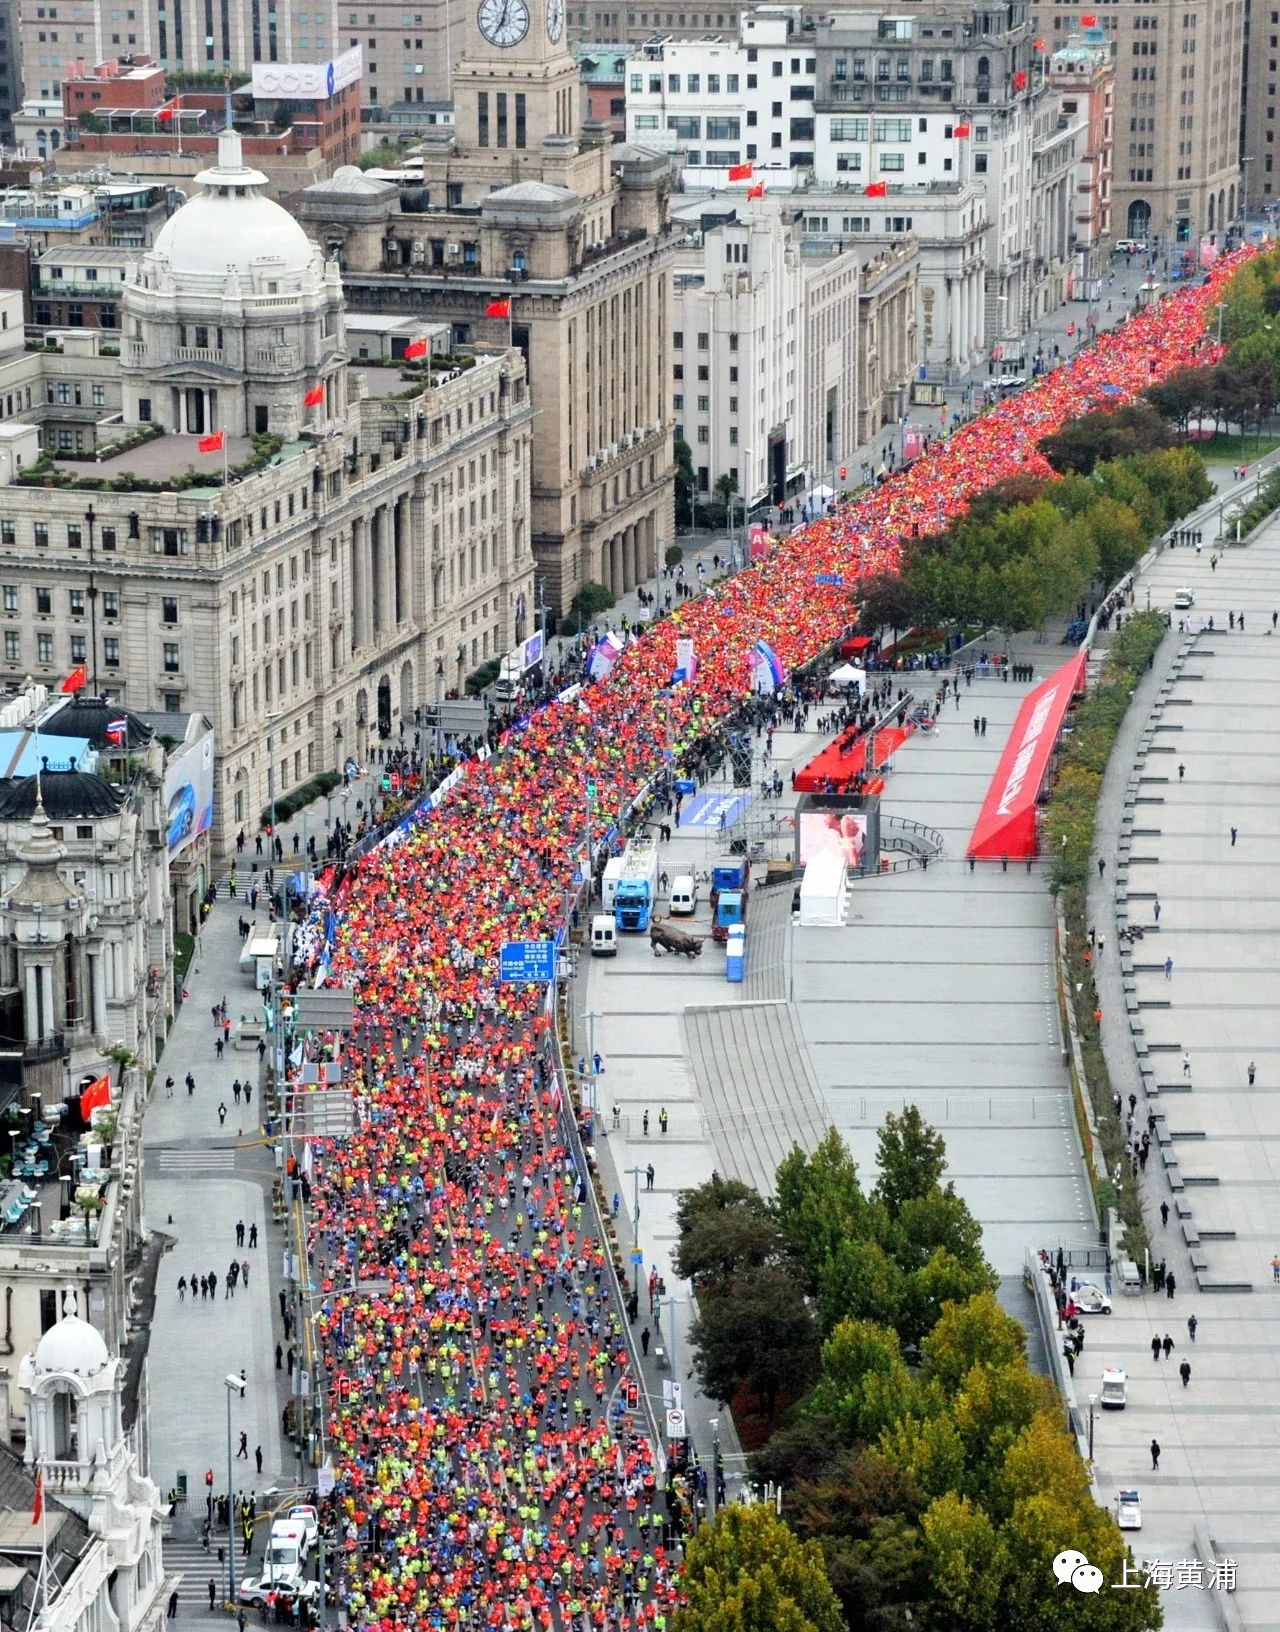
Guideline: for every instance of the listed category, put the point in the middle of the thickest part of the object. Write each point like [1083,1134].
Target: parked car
[309,1519]
[1090,1299]
[1130,246]
[1129,1509]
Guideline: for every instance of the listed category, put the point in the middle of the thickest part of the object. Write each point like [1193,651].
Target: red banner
[1006,825]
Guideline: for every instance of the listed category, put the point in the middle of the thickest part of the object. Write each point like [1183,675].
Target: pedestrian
[1253,1071]
[244,1270]
[1167,1345]
[182,1288]
[1233,838]
[1186,1063]
[649,1177]
[976,726]
[644,1341]
[1155,1455]
[222,1114]
[662,1120]
[240,1232]
[257,1450]
[1102,944]
[253,1235]
[168,1087]
[213,1590]
[1192,1323]
[597,1060]
[1164,1213]
[646,1124]
[283,1306]
[1155,1347]
[1168,968]
[984,725]
[617,1203]
[1102,866]
[1184,1371]
[191,1085]
[217,1047]
[244,1446]
[1182,771]
[235,1091]
[279,1356]
[1170,1285]
[1156,909]
[173,1605]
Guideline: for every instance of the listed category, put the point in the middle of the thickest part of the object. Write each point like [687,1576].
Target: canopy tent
[847,675]
[1006,825]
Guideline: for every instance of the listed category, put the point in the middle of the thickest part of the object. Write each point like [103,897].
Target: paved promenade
[1200,755]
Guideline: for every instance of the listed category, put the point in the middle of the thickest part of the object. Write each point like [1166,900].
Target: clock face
[503,22]
[555,20]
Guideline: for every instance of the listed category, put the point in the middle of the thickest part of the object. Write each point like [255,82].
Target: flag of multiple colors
[314,397]
[93,1097]
[169,109]
[961,130]
[757,191]
[117,731]
[37,1505]
[876,189]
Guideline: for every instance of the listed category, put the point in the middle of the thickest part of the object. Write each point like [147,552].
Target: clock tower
[516,90]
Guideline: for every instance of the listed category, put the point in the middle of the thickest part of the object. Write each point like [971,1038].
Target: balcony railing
[43,1049]
[199,354]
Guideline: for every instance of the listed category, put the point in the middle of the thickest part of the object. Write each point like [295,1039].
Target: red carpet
[842,768]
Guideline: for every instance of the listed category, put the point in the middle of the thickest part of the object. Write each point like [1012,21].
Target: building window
[108,538]
[74,539]
[42,534]
[11,597]
[171,663]
[110,604]
[44,650]
[111,652]
[48,1311]
[44,601]
[75,600]
[78,650]
[7,534]
[12,646]
[169,609]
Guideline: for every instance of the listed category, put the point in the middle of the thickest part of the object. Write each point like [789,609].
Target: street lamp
[1093,1400]
[236,1387]
[1245,162]
[1222,306]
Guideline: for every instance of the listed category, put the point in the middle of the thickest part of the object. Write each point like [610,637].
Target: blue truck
[636,890]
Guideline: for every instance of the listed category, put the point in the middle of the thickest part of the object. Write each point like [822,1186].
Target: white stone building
[363,543]
[764,354]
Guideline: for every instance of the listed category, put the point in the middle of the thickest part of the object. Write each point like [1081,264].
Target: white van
[684,896]
[604,936]
[1183,599]
[287,1548]
[1115,1382]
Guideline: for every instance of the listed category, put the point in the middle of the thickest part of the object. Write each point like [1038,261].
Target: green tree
[725,1228]
[976,1333]
[748,1572]
[963,1553]
[590,601]
[755,1330]
[942,1280]
[819,1203]
[685,483]
[912,1158]
[865,1384]
[938,1219]
[886,602]
[859,1281]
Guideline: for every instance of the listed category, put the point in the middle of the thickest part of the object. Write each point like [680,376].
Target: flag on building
[498,308]
[1088,21]
[741,172]
[97,1094]
[961,130]
[37,1505]
[422,348]
[78,677]
[1020,80]
[117,731]
[168,110]
[212,444]
[314,397]
[1040,45]
[757,191]
[876,189]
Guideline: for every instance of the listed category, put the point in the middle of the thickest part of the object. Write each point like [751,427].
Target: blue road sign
[527,963]
[828,578]
[578,875]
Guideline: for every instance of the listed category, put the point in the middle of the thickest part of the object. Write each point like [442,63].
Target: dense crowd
[493,1467]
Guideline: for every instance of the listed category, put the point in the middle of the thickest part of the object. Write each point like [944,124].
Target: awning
[1006,825]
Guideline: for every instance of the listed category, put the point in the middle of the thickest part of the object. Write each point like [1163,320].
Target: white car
[1012,382]
[1090,1299]
[309,1519]
[1129,1510]
[257,1590]
[1130,246]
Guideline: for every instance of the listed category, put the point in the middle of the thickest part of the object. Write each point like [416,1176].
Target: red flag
[1088,21]
[757,191]
[961,130]
[212,444]
[37,1505]
[97,1093]
[78,677]
[876,189]
[1041,46]
[422,348]
[314,397]
[741,172]
[1020,80]
[497,308]
[167,111]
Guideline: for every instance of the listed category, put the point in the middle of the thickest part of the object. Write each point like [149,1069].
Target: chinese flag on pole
[1041,46]
[757,191]
[214,443]
[167,111]
[876,189]
[1020,80]
[314,397]
[961,130]
[741,172]
[37,1505]
[78,677]
[495,308]
[422,348]
[97,1093]
[1088,20]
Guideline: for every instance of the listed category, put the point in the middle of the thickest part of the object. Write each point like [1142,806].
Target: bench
[1190,1234]
[1199,1261]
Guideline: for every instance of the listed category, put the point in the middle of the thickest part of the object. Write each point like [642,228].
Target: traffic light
[844,471]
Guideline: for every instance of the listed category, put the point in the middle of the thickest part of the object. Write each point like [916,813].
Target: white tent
[822,491]
[848,675]
[822,891]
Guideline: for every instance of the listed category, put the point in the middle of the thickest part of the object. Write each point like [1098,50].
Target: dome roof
[66,795]
[85,716]
[72,1346]
[232,226]
[351,183]
[531,192]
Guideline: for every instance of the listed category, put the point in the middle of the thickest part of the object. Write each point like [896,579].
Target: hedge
[289,803]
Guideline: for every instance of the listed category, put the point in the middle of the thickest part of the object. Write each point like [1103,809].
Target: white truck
[609,883]
[515,668]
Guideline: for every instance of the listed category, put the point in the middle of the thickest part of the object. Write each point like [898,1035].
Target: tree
[859,1281]
[748,1572]
[938,1219]
[964,1566]
[886,602]
[976,1333]
[819,1203]
[588,603]
[755,1330]
[911,1156]
[725,1228]
[865,1383]
[942,1280]
[686,483]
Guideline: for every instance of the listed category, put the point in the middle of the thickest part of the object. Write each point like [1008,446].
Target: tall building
[1083,72]
[344,537]
[528,229]
[1179,76]
[1259,180]
[764,354]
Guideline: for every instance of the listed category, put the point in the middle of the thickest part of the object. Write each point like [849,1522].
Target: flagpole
[225,476]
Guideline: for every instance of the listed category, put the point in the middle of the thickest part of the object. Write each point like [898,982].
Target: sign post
[527,963]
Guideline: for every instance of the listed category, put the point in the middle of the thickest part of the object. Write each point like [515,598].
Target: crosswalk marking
[177,1161]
